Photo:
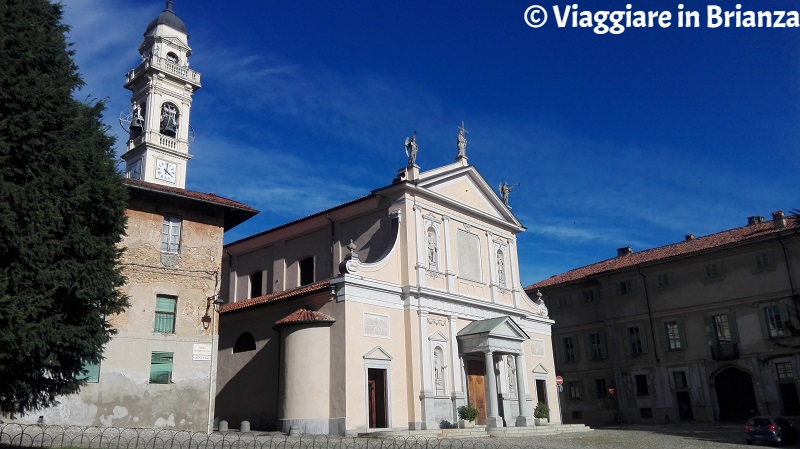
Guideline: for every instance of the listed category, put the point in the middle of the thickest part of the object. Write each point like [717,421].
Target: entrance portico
[496,337]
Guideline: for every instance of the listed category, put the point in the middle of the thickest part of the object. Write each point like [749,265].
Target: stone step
[478,431]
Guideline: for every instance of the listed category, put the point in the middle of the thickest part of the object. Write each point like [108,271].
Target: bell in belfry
[169,123]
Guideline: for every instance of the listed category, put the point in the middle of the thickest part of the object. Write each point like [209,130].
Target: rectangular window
[307,271]
[722,328]
[574,390]
[569,349]
[635,341]
[600,389]
[255,284]
[625,288]
[664,280]
[563,301]
[90,372]
[679,377]
[596,347]
[784,370]
[165,314]
[712,272]
[775,327]
[577,414]
[161,367]
[171,234]
[646,412]
[762,261]
[589,296]
[641,385]
[672,330]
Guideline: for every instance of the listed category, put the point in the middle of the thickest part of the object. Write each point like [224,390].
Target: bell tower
[158,120]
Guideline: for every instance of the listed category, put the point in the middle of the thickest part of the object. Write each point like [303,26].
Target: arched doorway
[735,395]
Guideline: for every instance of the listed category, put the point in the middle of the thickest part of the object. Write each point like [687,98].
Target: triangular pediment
[540,369]
[502,327]
[378,353]
[462,187]
[438,336]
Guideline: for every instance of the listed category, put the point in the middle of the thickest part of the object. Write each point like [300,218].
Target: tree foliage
[62,207]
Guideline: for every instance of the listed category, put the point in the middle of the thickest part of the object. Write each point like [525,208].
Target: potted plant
[541,413]
[466,416]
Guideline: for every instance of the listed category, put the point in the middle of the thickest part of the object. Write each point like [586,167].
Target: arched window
[307,271]
[169,120]
[244,343]
[255,284]
[172,57]
[433,250]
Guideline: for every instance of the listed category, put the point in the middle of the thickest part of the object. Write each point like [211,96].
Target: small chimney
[689,237]
[755,219]
[624,251]
[779,219]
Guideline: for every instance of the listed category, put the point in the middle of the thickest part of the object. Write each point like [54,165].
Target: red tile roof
[302,316]
[687,247]
[235,212]
[273,297]
[191,194]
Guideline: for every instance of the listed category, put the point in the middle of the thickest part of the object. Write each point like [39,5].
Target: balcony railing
[184,73]
[724,351]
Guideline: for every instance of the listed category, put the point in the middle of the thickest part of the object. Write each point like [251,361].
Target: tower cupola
[161,88]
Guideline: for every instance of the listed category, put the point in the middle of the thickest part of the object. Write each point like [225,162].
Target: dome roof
[169,18]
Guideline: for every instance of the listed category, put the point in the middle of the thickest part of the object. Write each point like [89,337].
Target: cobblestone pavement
[678,436]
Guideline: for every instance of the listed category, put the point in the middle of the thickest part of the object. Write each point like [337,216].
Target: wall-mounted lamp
[214,300]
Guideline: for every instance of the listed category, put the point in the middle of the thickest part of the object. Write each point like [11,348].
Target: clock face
[136,170]
[165,170]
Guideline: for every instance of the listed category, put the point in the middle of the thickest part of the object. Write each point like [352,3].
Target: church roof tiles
[277,296]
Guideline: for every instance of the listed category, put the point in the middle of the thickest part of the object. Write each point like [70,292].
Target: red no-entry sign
[559,380]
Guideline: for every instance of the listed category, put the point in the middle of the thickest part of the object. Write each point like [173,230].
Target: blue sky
[633,139]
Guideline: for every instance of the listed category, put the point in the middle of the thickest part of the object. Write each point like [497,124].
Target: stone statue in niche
[433,260]
[438,371]
[501,269]
[511,371]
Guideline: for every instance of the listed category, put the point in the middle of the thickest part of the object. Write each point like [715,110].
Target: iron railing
[14,435]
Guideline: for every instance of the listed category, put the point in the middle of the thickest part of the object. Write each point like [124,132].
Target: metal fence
[73,437]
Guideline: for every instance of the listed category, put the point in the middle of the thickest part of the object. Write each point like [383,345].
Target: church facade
[387,312]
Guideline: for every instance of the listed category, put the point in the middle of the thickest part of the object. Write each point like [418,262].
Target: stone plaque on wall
[469,256]
[538,347]
[376,325]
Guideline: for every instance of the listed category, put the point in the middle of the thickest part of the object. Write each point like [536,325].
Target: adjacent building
[386,312]
[703,329]
[159,370]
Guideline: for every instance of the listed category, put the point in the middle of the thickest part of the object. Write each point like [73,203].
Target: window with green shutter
[165,314]
[90,372]
[161,367]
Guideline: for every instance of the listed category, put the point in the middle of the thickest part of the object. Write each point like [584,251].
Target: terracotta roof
[236,212]
[686,247]
[277,296]
[302,316]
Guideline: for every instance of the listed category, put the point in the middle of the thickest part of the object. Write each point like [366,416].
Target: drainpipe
[649,314]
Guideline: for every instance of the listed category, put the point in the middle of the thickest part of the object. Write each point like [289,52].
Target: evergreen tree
[62,206]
